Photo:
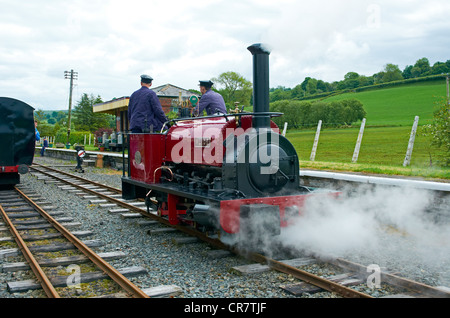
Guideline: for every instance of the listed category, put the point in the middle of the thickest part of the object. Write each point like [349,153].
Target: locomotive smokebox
[260,85]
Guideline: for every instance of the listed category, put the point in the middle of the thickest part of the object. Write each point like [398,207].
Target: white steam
[383,225]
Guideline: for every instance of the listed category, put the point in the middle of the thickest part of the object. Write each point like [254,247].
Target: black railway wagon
[17,139]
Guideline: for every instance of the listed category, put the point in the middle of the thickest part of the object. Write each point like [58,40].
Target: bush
[75,137]
[300,114]
[439,130]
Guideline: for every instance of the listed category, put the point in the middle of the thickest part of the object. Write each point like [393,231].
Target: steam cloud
[386,226]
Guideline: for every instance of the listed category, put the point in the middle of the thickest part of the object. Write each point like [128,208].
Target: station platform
[92,158]
[358,178]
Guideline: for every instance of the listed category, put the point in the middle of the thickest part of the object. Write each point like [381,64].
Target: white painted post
[84,140]
[90,139]
[284,129]
[407,160]
[316,141]
[358,142]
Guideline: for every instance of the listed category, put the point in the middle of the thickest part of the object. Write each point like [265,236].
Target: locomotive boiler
[230,173]
[17,136]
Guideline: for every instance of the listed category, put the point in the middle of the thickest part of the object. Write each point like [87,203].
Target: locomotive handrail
[271,114]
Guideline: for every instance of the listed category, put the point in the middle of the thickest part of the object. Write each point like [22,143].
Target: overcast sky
[111,43]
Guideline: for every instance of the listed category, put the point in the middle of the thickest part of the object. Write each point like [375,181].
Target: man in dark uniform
[144,109]
[44,145]
[210,101]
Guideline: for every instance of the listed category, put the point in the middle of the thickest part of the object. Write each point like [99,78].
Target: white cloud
[110,43]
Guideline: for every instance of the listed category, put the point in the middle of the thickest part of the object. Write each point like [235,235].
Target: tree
[351,76]
[304,83]
[439,68]
[392,73]
[279,93]
[365,81]
[407,72]
[421,68]
[353,110]
[321,86]
[439,130]
[378,77]
[235,88]
[306,114]
[351,80]
[62,116]
[311,87]
[85,118]
[297,92]
[39,115]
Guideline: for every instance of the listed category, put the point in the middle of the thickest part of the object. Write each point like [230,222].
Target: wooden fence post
[284,129]
[316,141]
[358,142]
[407,160]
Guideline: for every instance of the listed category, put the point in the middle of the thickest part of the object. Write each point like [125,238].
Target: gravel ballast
[190,266]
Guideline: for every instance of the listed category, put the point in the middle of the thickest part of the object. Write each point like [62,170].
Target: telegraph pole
[70,75]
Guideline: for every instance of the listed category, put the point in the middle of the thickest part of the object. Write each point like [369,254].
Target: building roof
[170,90]
[111,106]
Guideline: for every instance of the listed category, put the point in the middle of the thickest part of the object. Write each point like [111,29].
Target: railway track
[23,230]
[340,285]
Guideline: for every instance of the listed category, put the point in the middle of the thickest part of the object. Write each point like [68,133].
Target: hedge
[75,137]
[377,86]
[301,114]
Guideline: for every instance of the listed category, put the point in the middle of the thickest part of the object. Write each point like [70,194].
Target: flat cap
[206,83]
[146,78]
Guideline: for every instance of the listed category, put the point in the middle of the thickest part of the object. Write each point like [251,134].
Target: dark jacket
[212,102]
[144,110]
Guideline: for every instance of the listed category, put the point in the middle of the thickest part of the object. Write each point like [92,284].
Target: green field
[383,150]
[399,105]
[390,116]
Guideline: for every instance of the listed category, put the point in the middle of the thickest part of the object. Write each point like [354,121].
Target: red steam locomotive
[230,173]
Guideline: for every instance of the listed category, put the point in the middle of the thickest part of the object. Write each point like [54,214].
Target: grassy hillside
[397,106]
[380,145]
[383,150]
[390,115]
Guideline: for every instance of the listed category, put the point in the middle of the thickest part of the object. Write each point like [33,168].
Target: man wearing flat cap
[145,112]
[210,101]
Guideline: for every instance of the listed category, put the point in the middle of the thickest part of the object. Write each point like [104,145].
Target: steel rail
[392,279]
[302,275]
[308,277]
[165,221]
[76,177]
[115,275]
[43,279]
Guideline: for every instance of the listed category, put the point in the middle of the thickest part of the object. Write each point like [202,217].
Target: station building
[170,96]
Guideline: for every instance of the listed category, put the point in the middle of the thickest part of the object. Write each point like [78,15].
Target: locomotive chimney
[260,85]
